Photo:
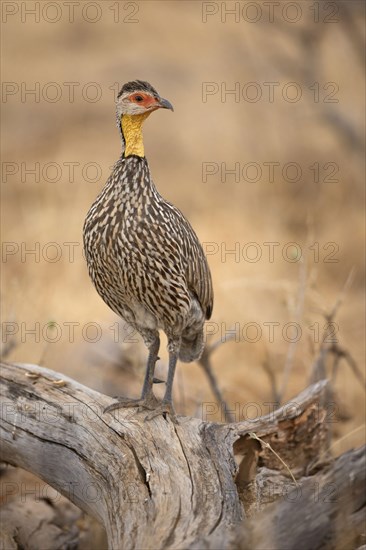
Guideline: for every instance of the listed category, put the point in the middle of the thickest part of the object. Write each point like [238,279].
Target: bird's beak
[165,104]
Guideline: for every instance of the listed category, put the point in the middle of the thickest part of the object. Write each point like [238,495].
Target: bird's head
[135,102]
[138,97]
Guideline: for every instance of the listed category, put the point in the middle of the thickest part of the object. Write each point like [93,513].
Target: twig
[8,347]
[268,446]
[205,362]
[341,353]
[340,299]
[293,344]
[337,441]
[272,379]
[318,368]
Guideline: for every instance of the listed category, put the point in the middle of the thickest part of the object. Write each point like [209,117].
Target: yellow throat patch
[132,132]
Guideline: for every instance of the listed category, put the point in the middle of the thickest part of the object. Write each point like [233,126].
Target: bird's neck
[131,126]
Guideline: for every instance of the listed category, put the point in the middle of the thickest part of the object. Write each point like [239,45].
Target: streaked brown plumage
[143,256]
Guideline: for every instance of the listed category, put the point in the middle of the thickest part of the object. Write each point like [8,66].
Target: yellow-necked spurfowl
[143,256]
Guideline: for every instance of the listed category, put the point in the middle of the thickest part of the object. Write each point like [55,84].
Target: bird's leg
[166,406]
[147,399]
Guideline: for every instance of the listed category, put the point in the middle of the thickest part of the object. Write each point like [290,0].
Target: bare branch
[205,362]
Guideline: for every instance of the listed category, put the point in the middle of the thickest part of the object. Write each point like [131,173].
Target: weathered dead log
[152,484]
[325,511]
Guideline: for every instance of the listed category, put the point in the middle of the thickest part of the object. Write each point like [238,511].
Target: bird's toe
[166,409]
[149,402]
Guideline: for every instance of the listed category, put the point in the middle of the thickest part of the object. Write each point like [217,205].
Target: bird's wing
[198,275]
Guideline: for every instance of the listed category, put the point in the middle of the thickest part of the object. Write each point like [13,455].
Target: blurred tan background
[193,53]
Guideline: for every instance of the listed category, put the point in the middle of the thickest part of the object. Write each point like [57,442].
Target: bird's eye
[139,98]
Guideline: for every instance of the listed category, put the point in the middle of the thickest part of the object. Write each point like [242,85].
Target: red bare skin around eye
[147,100]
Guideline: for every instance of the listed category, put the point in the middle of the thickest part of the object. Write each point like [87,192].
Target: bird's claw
[149,402]
[164,408]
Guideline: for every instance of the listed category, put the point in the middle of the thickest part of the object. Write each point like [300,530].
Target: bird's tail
[192,346]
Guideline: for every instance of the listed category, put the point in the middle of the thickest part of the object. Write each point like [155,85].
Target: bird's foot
[164,408]
[149,402]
